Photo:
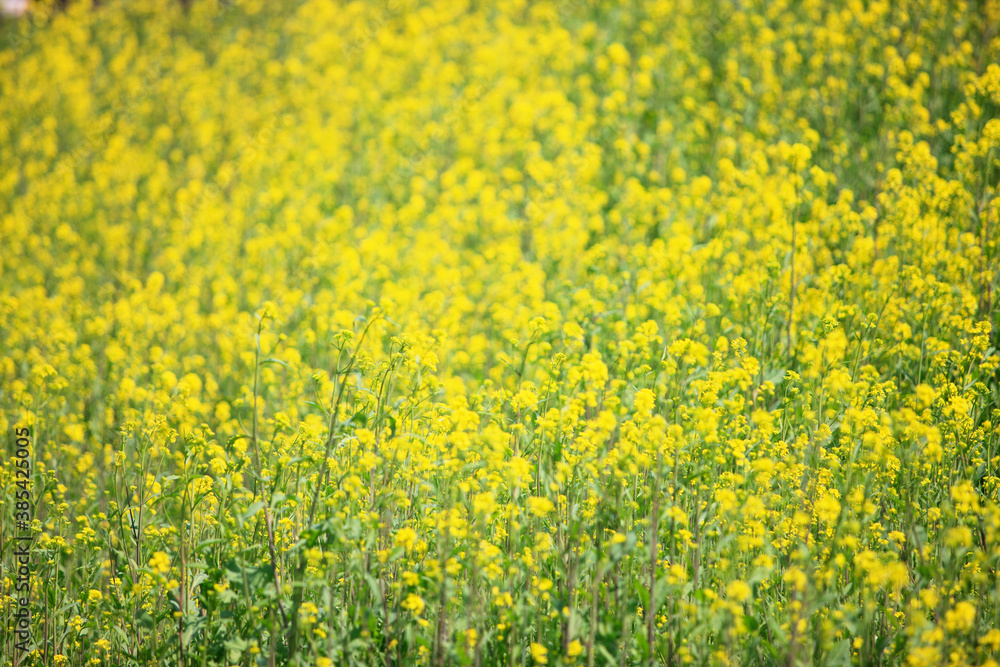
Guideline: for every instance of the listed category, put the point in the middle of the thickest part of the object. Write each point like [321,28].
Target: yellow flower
[406,538]
[645,399]
[961,617]
[540,506]
[991,639]
[160,562]
[414,603]
[827,508]
[465,317]
[618,54]
[539,654]
[738,591]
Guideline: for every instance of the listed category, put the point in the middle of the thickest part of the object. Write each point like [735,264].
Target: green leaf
[250,512]
[272,360]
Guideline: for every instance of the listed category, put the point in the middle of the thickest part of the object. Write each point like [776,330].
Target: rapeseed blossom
[448,332]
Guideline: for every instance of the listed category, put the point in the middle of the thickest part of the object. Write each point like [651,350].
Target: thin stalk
[651,612]
[324,470]
[257,462]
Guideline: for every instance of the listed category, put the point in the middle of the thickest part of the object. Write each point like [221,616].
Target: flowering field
[500,332]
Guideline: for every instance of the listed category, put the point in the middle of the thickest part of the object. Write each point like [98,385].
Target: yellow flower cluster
[458,332]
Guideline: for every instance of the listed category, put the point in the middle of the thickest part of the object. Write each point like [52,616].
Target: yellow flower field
[489,332]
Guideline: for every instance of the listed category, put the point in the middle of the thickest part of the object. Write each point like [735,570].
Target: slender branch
[293,633]
[267,503]
[654,520]
[791,287]
[324,466]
